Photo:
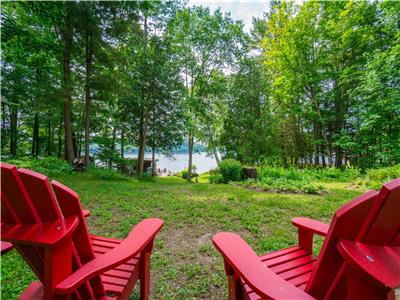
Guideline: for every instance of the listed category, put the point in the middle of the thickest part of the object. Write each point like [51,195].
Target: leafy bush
[312,188]
[374,178]
[383,174]
[321,174]
[106,174]
[214,171]
[184,174]
[280,172]
[334,174]
[230,170]
[294,180]
[49,166]
[216,178]
[288,185]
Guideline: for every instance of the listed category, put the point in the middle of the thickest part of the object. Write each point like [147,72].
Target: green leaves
[334,79]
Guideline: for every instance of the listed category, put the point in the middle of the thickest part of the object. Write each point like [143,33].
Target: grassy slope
[184,264]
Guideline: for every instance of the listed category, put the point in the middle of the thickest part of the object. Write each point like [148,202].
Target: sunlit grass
[185,265]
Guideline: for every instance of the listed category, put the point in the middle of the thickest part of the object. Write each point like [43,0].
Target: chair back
[372,218]
[30,203]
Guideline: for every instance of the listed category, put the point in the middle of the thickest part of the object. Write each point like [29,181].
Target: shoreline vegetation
[272,179]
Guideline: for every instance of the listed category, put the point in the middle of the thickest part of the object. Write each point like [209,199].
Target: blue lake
[179,161]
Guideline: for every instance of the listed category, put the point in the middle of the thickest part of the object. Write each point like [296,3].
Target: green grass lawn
[185,265]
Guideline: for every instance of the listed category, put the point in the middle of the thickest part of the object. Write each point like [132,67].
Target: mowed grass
[185,265]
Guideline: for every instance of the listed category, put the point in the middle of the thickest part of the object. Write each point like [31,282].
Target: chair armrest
[138,239]
[86,213]
[6,247]
[48,234]
[245,262]
[377,263]
[311,225]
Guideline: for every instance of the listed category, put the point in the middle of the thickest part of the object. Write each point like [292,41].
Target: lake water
[180,161]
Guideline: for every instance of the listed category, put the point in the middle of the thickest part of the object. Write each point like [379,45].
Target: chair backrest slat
[69,203]
[385,227]
[42,197]
[17,196]
[7,213]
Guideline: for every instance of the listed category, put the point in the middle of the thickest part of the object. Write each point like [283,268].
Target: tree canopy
[316,83]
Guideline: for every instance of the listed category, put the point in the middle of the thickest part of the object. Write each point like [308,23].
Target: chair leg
[235,288]
[144,275]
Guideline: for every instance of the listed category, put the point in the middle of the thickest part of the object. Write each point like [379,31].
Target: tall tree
[205,43]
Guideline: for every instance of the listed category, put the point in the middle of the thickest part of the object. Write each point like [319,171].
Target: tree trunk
[321,124]
[190,165]
[114,138]
[339,124]
[3,120]
[142,146]
[69,147]
[49,135]
[35,136]
[13,129]
[60,138]
[215,152]
[153,161]
[143,117]
[75,143]
[122,142]
[315,145]
[36,101]
[78,145]
[214,149]
[89,59]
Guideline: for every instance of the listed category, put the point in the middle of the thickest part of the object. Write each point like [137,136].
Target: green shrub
[279,172]
[214,171]
[374,178]
[312,188]
[333,174]
[216,178]
[288,185]
[184,174]
[49,166]
[383,174]
[321,174]
[230,170]
[328,173]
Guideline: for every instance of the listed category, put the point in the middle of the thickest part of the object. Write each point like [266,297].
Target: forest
[297,111]
[311,84]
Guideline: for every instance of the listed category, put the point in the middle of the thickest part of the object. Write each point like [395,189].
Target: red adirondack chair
[359,259]
[49,231]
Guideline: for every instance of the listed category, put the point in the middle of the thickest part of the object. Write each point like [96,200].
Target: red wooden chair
[359,259]
[48,229]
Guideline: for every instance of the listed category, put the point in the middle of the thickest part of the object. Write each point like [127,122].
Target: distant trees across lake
[316,83]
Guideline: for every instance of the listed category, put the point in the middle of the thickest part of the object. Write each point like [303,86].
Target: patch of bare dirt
[190,245]
[353,186]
